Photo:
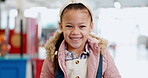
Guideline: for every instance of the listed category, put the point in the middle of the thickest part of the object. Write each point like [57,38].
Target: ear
[91,26]
[60,26]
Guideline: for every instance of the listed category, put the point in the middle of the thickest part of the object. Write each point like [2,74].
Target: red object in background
[14,41]
[38,67]
[2,36]
[4,47]
[32,36]
[30,39]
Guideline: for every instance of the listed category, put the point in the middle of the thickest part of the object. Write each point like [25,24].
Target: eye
[68,26]
[82,26]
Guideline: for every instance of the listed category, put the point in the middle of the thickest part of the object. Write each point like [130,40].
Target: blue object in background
[13,68]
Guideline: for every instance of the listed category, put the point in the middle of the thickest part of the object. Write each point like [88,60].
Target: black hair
[57,45]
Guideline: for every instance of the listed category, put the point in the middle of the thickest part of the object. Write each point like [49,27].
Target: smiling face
[76,26]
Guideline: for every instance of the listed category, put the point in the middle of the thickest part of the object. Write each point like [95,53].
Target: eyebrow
[68,23]
[78,23]
[83,23]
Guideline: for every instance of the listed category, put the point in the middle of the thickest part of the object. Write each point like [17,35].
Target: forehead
[75,10]
[76,16]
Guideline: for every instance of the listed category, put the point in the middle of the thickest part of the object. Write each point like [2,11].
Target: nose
[75,31]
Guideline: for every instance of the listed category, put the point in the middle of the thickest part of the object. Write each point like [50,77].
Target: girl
[74,52]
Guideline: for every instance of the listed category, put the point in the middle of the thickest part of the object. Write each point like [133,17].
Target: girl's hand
[93,43]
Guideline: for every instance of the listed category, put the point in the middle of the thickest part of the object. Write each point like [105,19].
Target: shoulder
[48,62]
[47,69]
[109,66]
[102,43]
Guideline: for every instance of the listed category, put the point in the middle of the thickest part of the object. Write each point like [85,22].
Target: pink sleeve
[47,69]
[111,70]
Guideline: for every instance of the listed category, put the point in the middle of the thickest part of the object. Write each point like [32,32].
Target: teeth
[75,39]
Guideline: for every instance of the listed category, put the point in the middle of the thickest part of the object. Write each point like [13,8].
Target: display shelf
[13,68]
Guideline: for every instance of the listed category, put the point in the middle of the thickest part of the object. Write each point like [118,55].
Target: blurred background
[25,26]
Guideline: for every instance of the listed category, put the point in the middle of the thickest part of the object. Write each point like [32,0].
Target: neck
[78,51]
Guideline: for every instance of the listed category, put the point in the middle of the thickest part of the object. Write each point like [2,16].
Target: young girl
[73,52]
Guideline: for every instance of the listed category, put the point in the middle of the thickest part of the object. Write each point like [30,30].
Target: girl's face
[76,26]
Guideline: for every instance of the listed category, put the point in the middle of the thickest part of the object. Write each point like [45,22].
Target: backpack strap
[59,73]
[99,72]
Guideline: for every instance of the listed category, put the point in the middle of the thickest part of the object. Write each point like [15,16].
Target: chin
[75,45]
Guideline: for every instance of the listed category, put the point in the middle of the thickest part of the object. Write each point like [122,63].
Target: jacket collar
[50,44]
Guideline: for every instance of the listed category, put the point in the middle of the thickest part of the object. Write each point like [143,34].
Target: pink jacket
[97,45]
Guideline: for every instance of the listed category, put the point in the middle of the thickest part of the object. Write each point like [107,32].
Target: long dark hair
[57,45]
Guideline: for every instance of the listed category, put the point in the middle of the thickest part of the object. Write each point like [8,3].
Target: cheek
[85,33]
[66,34]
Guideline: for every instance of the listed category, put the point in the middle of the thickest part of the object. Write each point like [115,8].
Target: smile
[75,38]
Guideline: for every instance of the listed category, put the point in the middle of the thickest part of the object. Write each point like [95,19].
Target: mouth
[75,38]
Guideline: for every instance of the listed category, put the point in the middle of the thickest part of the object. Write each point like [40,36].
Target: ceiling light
[117,5]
